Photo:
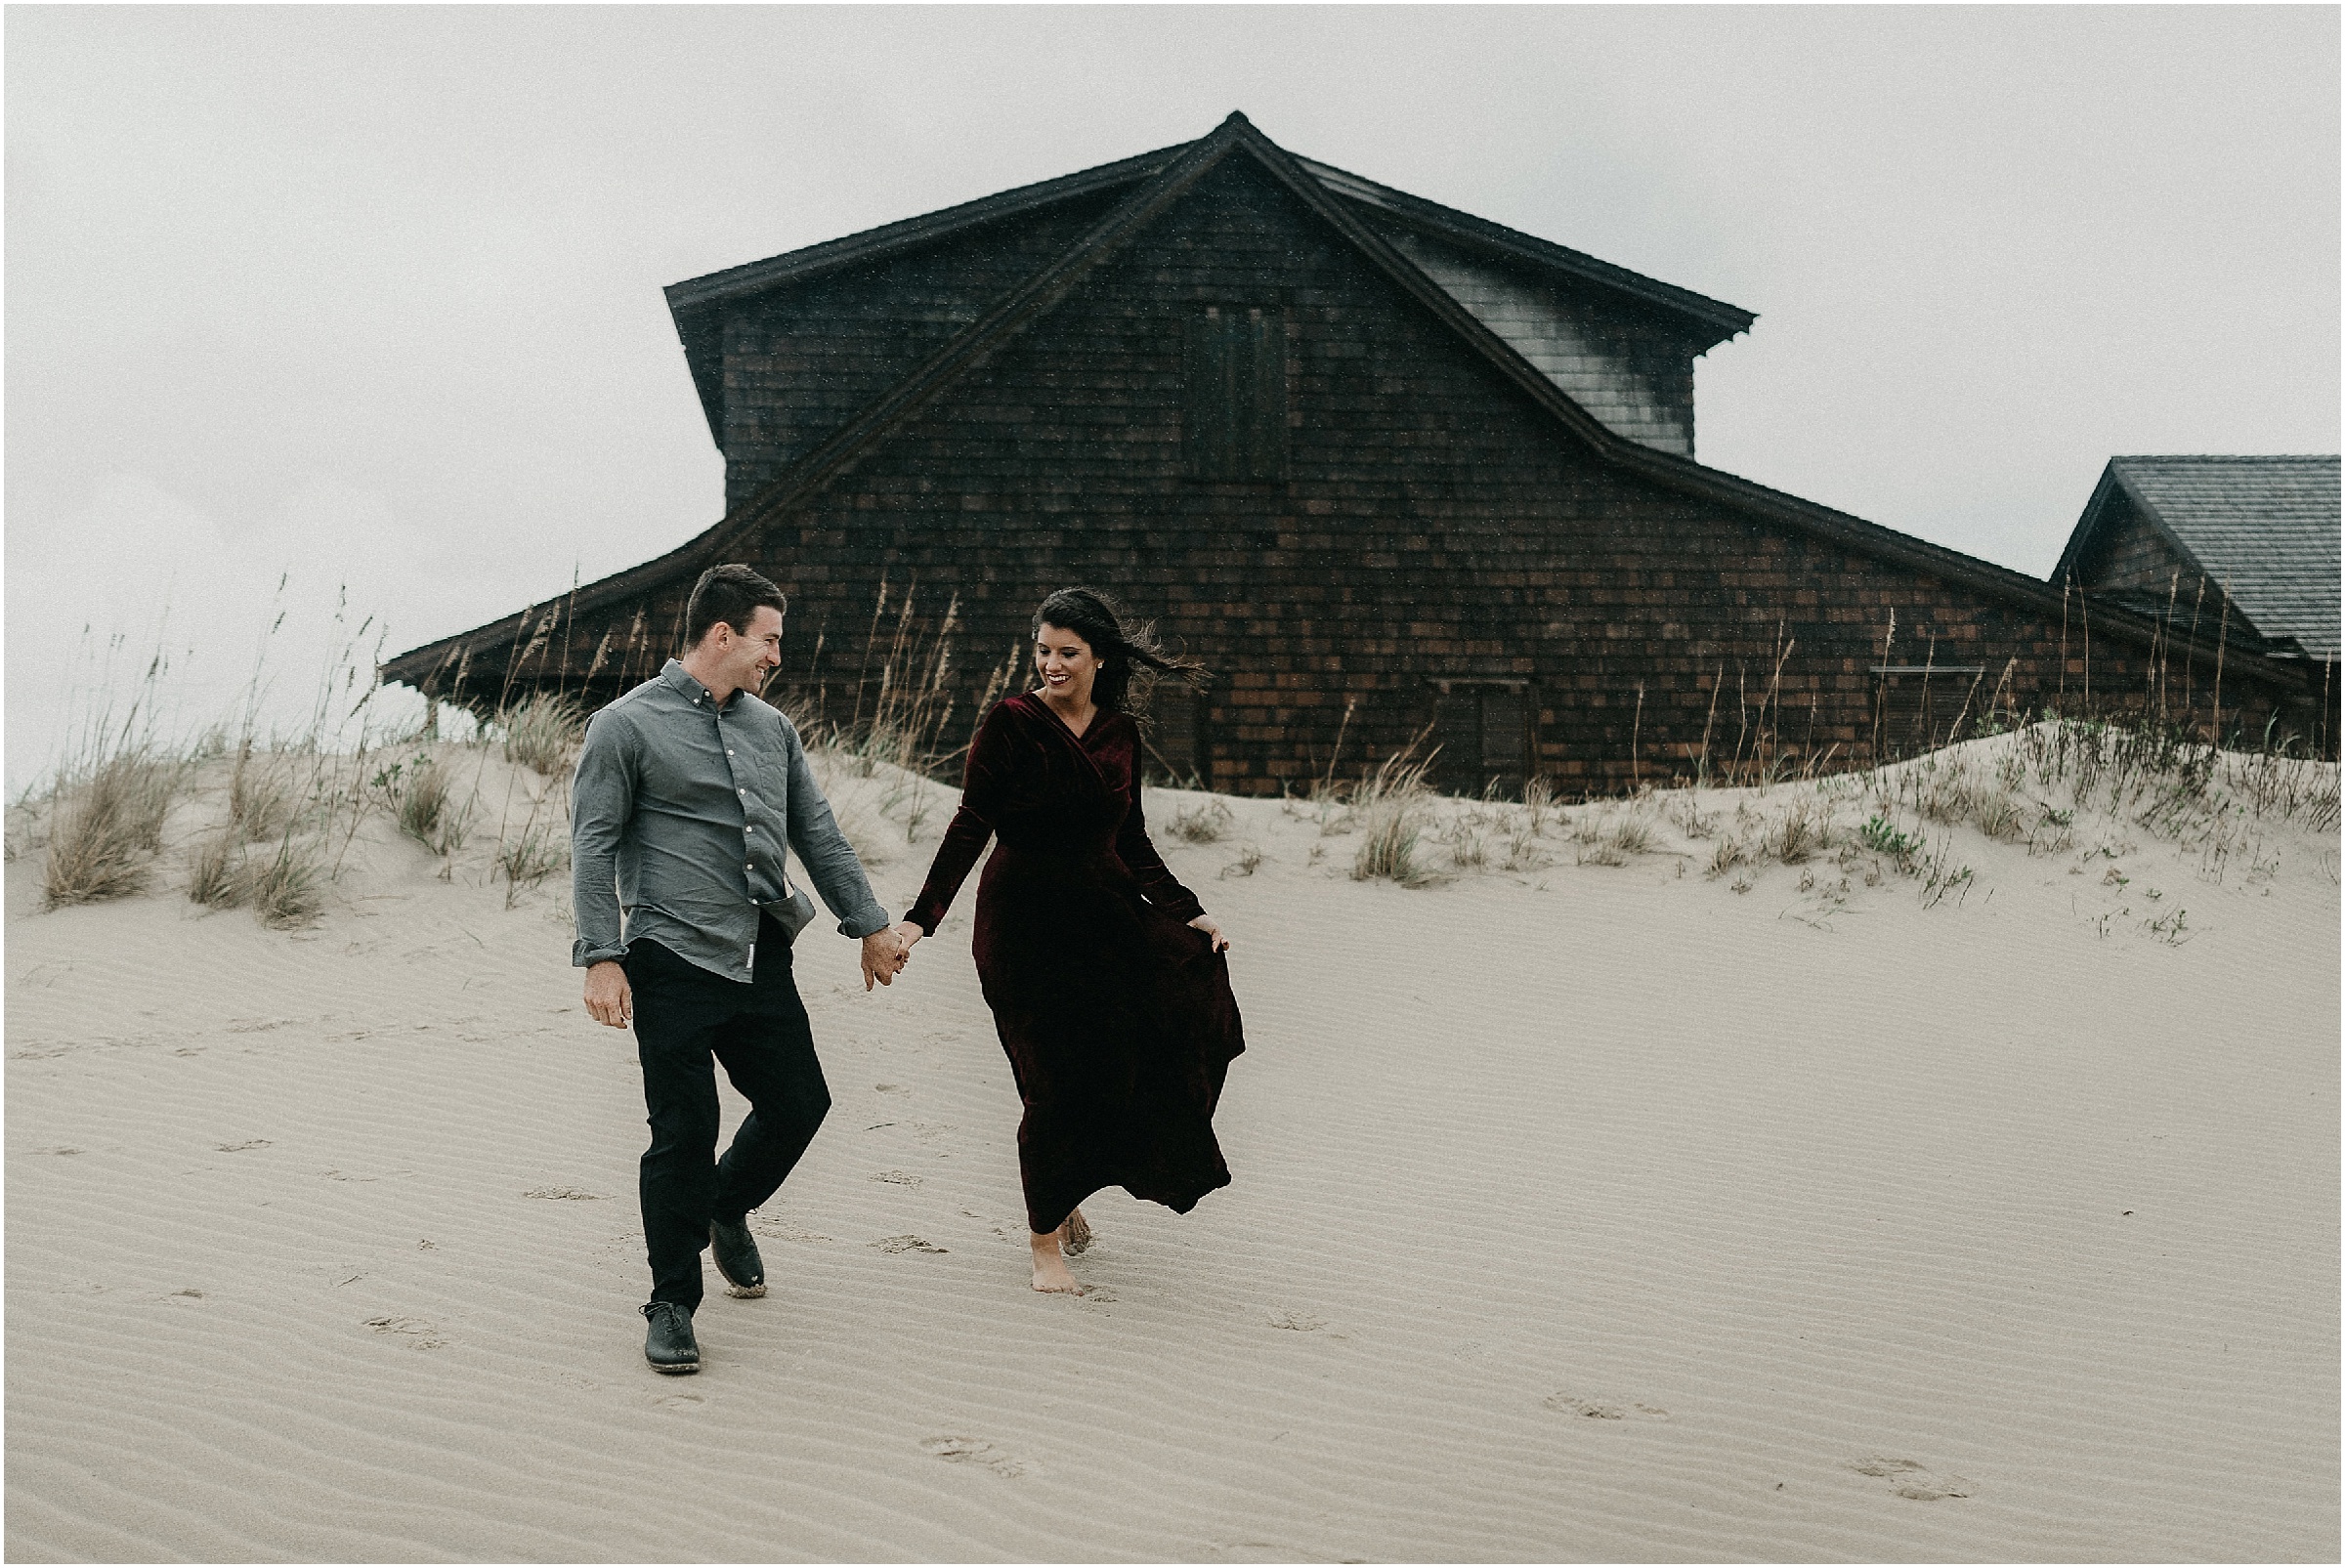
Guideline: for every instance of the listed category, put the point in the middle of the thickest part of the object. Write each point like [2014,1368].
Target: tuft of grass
[1803,830]
[1612,840]
[1691,819]
[423,803]
[109,826]
[1724,855]
[544,732]
[1998,815]
[261,802]
[1468,849]
[531,856]
[220,878]
[284,887]
[1249,861]
[1525,853]
[1393,807]
[1207,821]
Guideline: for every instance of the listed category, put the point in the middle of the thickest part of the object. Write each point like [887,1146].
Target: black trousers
[686,1017]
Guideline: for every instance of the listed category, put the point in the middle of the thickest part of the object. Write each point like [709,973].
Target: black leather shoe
[670,1345]
[736,1253]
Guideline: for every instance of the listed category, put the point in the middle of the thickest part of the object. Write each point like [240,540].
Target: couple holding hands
[1104,974]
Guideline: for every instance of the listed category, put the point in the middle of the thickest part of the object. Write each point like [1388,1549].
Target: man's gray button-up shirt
[669,787]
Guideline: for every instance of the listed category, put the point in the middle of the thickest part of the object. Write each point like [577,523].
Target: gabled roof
[1014,312]
[692,303]
[2265,529]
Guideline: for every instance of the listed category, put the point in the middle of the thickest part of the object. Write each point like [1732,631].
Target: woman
[1105,975]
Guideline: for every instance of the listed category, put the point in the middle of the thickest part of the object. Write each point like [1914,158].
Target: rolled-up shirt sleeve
[602,799]
[829,860]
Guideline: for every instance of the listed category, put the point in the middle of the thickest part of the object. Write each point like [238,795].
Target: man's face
[746,659]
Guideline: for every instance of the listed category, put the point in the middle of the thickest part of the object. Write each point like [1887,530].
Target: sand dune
[1581,1211]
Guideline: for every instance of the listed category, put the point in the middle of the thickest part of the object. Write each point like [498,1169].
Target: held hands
[885,953]
[897,940]
[1204,923]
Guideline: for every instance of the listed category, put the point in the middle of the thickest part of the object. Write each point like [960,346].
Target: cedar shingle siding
[1377,510]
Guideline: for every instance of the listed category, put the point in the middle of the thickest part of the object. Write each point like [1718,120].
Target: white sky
[371,295]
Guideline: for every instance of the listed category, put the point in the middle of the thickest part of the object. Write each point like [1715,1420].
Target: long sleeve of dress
[983,786]
[1158,884]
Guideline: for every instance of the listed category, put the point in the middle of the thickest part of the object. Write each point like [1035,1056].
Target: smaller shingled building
[2245,544]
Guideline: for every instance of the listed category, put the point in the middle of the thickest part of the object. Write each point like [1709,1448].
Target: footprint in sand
[1604,1410]
[571,1193]
[898,1178]
[907,1244]
[239,1148]
[423,1336]
[1297,1322]
[1909,1479]
[1262,1552]
[976,1451]
[675,1401]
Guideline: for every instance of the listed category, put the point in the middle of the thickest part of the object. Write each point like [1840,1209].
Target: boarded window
[1235,420]
[1916,707]
[1483,728]
[1172,754]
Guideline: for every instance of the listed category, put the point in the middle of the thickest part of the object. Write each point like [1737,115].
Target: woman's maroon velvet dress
[1116,1013]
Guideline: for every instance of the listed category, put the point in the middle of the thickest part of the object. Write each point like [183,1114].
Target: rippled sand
[1584,1212]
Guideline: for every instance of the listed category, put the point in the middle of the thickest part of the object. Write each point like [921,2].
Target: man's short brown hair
[730,593]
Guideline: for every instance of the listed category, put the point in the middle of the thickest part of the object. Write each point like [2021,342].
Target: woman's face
[1066,664]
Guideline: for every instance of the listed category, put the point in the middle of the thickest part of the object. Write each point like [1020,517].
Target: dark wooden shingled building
[2245,543]
[1385,466]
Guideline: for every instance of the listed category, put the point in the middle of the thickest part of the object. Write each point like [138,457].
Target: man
[690,794]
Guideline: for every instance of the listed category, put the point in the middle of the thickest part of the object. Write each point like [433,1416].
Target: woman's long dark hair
[1130,659]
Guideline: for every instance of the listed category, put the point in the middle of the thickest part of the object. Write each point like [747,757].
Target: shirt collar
[676,676]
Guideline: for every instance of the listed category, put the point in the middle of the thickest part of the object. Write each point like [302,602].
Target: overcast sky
[371,295]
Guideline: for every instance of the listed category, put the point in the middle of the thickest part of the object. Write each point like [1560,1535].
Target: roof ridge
[2224,457]
[1454,220]
[942,220]
[1523,246]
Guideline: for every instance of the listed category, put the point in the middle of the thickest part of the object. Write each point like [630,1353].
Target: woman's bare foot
[1049,1268]
[1075,1235]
